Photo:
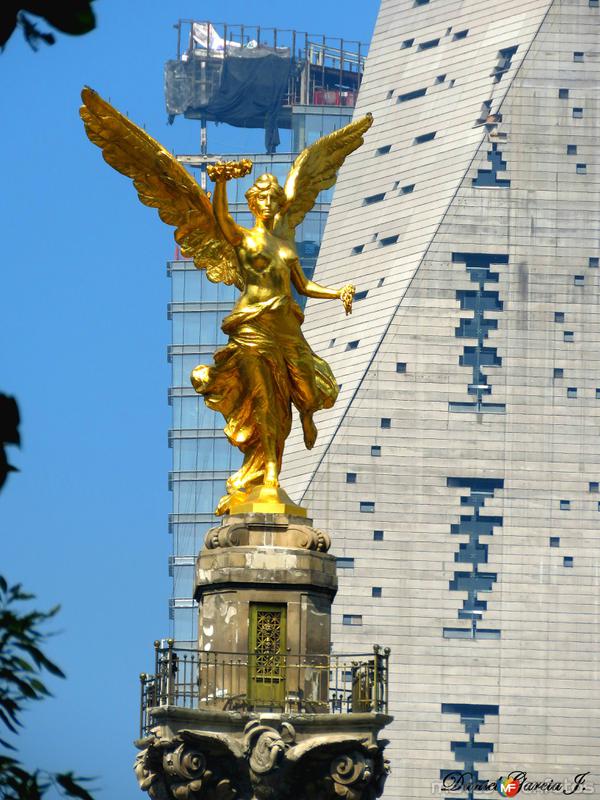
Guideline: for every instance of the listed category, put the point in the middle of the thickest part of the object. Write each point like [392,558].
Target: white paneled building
[459,471]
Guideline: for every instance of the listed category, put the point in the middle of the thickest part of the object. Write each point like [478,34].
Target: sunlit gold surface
[265,500]
[266,366]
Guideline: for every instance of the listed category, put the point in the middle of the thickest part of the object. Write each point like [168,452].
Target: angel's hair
[266,181]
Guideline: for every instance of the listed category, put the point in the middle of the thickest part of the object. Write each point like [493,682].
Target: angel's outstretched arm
[312,289]
[229,227]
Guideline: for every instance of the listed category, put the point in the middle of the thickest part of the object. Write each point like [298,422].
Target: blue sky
[83,301]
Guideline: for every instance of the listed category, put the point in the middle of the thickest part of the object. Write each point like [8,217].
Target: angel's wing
[316,169]
[161,183]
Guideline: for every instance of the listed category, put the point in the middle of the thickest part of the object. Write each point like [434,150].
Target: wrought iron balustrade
[187,678]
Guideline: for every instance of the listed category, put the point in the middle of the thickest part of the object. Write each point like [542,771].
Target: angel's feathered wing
[161,183]
[316,169]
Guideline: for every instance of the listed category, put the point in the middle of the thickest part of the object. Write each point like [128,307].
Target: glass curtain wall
[202,457]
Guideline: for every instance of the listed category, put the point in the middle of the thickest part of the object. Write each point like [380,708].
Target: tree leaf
[73,789]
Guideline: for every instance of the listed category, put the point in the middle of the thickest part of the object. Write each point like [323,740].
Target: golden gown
[266,366]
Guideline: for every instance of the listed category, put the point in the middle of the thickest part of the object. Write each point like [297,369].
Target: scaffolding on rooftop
[319,70]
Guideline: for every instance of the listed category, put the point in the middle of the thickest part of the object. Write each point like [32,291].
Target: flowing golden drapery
[266,366]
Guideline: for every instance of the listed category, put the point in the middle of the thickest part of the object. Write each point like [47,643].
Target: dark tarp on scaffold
[244,89]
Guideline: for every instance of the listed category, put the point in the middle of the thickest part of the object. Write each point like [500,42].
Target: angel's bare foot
[271,480]
[309,429]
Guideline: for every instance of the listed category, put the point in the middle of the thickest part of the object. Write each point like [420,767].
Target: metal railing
[329,683]
[322,62]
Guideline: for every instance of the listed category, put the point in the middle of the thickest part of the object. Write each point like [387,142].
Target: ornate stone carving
[264,747]
[191,766]
[292,534]
[265,762]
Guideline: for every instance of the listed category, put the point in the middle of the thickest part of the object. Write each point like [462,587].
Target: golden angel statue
[267,365]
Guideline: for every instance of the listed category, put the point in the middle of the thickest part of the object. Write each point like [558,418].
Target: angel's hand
[346,296]
[222,171]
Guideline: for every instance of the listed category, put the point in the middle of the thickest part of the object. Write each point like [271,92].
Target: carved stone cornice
[286,532]
[262,762]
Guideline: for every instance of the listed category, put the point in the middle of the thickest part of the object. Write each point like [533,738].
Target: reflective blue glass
[182,366]
[186,286]
[198,327]
[204,454]
[191,413]
[183,581]
[196,497]
[188,537]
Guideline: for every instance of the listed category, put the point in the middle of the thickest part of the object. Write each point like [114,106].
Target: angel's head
[266,198]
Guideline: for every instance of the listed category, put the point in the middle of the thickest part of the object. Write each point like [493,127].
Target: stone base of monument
[226,755]
[259,708]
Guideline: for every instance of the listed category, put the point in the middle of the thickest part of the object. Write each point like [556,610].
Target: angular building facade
[459,471]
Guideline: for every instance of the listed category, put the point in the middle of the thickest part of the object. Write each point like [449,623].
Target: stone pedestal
[269,560]
[262,710]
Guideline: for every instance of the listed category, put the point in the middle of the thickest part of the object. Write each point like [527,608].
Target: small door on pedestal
[267,659]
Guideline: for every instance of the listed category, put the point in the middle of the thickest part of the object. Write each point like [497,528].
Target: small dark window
[357,249]
[344,563]
[407,189]
[378,536]
[390,94]
[367,507]
[597,394]
[565,505]
[332,342]
[351,477]
[577,113]
[578,56]
[404,98]
[563,94]
[421,2]
[581,169]
[380,282]
[440,78]
[568,336]
[555,541]
[428,45]
[381,151]
[400,366]
[451,83]
[424,137]
[568,561]
[559,316]
[375,449]
[407,43]
[594,486]
[376,591]
[386,422]
[361,295]
[353,345]
[593,3]
[578,280]
[572,391]
[387,240]
[373,198]
[571,149]
[460,35]
[558,372]
[351,619]
[593,262]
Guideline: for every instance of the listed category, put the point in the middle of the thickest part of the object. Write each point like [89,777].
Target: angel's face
[266,205]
